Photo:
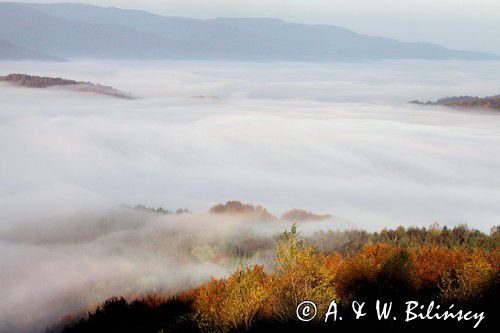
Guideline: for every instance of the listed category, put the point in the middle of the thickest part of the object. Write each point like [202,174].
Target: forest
[458,266]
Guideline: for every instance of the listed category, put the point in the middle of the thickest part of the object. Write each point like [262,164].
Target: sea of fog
[334,138]
[331,138]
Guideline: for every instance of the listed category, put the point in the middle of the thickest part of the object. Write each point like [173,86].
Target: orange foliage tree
[232,303]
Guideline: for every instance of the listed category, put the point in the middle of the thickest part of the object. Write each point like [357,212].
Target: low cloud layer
[332,138]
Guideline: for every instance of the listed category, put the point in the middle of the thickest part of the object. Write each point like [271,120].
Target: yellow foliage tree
[300,274]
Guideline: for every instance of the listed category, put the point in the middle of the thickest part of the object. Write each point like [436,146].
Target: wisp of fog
[332,138]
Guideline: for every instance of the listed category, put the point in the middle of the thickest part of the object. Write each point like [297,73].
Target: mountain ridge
[74,30]
[13,52]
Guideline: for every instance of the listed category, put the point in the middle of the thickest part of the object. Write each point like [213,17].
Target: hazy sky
[463,24]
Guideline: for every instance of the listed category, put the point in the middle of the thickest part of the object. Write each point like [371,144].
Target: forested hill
[33,81]
[490,102]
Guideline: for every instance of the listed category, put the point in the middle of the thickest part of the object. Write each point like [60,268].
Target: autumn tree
[232,303]
[300,273]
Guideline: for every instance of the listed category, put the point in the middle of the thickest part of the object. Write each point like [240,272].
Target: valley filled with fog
[338,139]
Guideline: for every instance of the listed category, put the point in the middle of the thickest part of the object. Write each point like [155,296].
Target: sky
[460,24]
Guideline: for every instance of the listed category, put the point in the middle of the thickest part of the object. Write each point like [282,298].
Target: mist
[331,138]
[336,138]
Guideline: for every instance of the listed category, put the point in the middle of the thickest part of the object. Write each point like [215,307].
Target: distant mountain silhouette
[78,30]
[9,51]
